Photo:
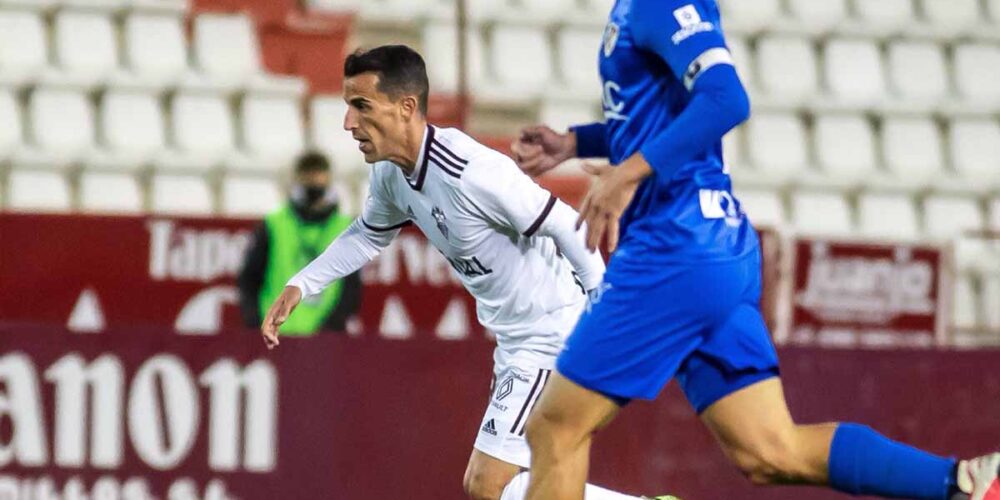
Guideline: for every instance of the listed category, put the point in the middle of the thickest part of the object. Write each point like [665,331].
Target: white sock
[517,488]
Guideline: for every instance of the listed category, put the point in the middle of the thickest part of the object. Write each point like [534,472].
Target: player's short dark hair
[400,70]
[312,161]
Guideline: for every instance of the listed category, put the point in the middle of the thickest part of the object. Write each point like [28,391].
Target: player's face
[373,118]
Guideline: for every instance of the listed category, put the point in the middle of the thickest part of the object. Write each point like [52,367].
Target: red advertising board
[848,294]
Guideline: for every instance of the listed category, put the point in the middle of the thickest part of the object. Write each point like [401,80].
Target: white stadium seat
[225,47]
[951,16]
[249,196]
[993,8]
[978,67]
[561,114]
[891,216]
[743,59]
[547,11]
[947,217]
[439,41]
[885,14]
[155,47]
[202,128]
[734,154]
[109,192]
[776,144]
[994,220]
[787,67]
[578,49]
[180,195]
[975,149]
[918,69]
[845,146]
[272,130]
[990,302]
[326,133]
[132,127]
[853,70]
[33,189]
[521,59]
[11,127]
[86,46]
[912,148]
[820,15]
[61,126]
[821,213]
[750,15]
[764,208]
[23,50]
[964,312]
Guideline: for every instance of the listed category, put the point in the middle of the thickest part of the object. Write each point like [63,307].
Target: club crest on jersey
[610,38]
[439,218]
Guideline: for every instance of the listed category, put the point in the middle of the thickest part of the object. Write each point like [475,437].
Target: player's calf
[486,476]
[777,458]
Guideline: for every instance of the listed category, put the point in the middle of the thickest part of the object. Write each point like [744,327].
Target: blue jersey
[652,54]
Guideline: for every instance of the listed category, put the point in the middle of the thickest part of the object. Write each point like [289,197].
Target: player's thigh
[486,476]
[567,413]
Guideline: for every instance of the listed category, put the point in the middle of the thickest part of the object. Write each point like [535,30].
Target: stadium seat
[964,313]
[744,60]
[335,5]
[734,148]
[33,189]
[853,70]
[787,67]
[748,16]
[272,132]
[918,70]
[249,196]
[818,16]
[202,131]
[132,129]
[885,15]
[62,128]
[109,192]
[226,50]
[23,49]
[11,128]
[979,67]
[561,114]
[326,133]
[951,17]
[975,149]
[521,60]
[845,146]
[911,147]
[549,11]
[180,195]
[578,49]
[994,220]
[764,208]
[86,48]
[776,145]
[947,216]
[439,41]
[155,48]
[891,216]
[990,302]
[821,213]
[993,9]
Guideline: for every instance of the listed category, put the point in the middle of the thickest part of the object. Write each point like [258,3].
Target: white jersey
[479,210]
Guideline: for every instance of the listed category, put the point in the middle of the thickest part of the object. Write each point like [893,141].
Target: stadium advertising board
[867,295]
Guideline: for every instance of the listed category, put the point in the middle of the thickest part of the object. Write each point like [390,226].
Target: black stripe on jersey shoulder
[457,175]
[541,217]
[428,139]
[446,165]
[449,152]
[382,229]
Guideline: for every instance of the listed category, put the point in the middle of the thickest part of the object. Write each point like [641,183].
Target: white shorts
[515,390]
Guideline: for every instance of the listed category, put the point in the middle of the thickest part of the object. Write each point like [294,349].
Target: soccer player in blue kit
[680,298]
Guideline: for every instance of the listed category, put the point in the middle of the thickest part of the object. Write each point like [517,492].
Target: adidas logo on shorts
[490,428]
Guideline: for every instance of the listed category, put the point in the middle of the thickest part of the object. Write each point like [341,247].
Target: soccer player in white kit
[513,244]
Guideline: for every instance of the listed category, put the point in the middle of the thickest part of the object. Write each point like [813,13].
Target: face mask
[314,193]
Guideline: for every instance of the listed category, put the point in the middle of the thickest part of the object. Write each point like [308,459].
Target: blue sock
[864,462]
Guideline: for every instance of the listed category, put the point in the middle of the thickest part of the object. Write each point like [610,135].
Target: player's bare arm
[539,149]
[278,314]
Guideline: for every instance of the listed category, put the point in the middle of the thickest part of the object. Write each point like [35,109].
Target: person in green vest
[288,239]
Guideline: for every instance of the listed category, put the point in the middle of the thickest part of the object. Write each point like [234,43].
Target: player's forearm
[349,252]
[591,140]
[718,104]
[560,226]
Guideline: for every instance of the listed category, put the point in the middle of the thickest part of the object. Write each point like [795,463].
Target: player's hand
[539,149]
[278,314]
[609,196]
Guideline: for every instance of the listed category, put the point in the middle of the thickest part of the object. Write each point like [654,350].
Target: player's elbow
[722,86]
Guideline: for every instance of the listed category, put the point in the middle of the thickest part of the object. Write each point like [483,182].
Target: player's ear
[409,106]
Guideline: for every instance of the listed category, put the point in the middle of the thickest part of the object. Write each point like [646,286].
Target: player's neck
[409,151]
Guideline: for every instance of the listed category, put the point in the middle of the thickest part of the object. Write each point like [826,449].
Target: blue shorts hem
[731,385]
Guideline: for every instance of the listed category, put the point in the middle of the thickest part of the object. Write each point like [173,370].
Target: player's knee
[480,485]
[546,429]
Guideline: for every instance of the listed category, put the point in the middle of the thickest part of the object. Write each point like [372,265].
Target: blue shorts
[699,323]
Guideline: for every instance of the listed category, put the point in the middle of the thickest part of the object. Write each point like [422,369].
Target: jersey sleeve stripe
[541,217]
[443,160]
[450,153]
[446,170]
[382,229]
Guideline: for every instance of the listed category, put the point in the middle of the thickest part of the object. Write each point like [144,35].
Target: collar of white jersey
[416,179]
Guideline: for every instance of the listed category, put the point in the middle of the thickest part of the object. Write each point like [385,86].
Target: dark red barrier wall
[365,418]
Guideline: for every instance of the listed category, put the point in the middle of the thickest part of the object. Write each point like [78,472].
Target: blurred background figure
[288,239]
